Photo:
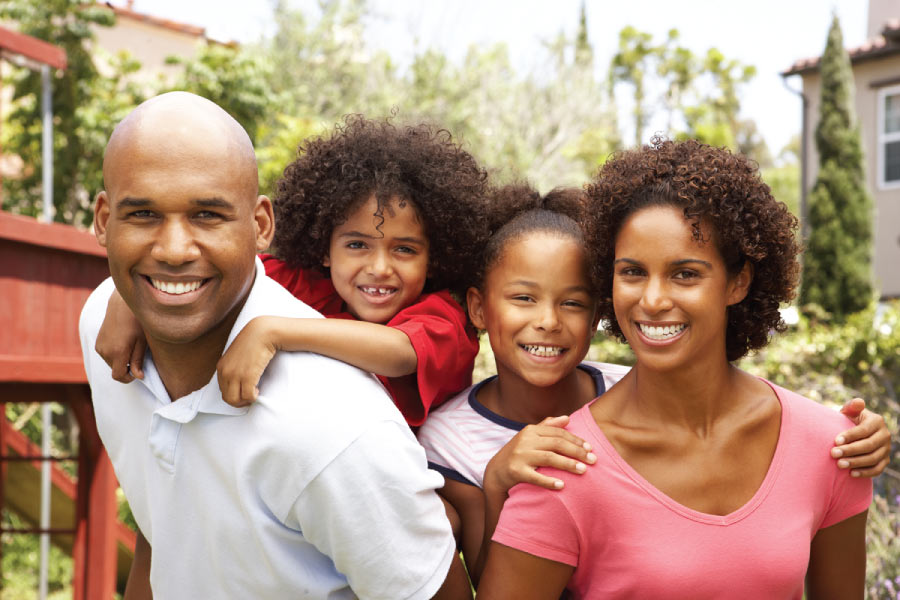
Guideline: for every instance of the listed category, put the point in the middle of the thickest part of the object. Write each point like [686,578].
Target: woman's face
[537,308]
[670,291]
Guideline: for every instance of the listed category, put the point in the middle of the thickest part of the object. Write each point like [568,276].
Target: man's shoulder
[94,309]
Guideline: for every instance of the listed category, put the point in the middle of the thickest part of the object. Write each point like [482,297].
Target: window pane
[892,113]
[892,161]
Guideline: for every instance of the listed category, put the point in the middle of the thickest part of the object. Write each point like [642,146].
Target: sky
[769,34]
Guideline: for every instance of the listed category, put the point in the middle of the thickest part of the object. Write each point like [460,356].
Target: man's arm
[138,585]
[374,511]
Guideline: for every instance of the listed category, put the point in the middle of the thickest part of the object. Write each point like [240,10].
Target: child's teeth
[661,333]
[543,350]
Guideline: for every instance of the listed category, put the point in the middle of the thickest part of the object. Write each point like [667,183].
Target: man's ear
[476,307]
[101,217]
[739,285]
[264,218]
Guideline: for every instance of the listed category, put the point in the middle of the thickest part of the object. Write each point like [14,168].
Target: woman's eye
[631,272]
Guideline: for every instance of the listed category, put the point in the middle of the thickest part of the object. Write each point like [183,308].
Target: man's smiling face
[180,221]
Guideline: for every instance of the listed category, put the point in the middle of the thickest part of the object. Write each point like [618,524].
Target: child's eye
[631,272]
[574,304]
[356,245]
[522,298]
[406,250]
[686,274]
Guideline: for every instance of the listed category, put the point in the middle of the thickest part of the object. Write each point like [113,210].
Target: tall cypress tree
[837,265]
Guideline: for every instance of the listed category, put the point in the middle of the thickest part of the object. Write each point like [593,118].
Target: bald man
[319,490]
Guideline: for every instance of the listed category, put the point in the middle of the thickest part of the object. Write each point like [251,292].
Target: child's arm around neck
[372,347]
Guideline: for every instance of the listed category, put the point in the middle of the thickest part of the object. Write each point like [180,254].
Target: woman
[710,483]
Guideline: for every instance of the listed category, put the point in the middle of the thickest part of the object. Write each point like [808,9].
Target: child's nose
[380,265]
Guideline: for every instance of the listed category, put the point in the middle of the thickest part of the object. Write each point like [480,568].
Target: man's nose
[175,243]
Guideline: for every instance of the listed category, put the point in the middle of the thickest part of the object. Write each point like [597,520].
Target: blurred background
[544,91]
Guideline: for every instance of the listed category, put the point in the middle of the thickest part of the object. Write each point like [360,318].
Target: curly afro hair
[421,164]
[518,209]
[714,186]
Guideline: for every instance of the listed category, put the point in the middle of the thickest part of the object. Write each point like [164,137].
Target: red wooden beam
[33,48]
[44,369]
[48,235]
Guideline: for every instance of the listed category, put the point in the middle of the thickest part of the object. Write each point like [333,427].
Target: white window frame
[885,138]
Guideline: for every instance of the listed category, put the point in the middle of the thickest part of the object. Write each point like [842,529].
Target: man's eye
[141,214]
[208,214]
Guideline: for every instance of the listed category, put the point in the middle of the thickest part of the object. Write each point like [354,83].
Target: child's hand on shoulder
[546,444]
[243,364]
[866,448]
[121,341]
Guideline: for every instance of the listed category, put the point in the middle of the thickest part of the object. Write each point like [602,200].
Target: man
[319,490]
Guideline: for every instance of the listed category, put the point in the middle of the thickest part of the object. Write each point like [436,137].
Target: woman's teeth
[543,350]
[181,287]
[661,333]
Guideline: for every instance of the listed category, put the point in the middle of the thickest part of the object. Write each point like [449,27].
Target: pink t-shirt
[626,539]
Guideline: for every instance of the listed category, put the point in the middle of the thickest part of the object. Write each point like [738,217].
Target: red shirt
[435,323]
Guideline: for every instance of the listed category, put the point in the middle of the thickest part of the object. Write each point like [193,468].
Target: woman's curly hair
[714,186]
[420,164]
[518,209]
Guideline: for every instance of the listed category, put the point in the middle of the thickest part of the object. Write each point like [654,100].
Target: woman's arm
[837,561]
[546,444]
[517,575]
[371,347]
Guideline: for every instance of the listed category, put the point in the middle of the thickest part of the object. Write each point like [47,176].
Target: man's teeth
[181,287]
[543,350]
[661,333]
[377,291]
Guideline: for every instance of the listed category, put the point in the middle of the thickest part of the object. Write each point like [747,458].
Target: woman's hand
[243,364]
[866,448]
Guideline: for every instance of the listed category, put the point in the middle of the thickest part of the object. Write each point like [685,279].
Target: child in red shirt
[376,226]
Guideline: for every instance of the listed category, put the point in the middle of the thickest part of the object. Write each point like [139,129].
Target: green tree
[235,78]
[630,65]
[77,149]
[837,263]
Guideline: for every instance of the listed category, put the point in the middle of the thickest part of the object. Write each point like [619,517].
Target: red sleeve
[307,285]
[445,354]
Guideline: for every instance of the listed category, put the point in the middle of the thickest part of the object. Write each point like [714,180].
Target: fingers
[853,409]
[120,372]
[868,424]
[136,361]
[553,431]
[237,390]
[866,454]
[875,471]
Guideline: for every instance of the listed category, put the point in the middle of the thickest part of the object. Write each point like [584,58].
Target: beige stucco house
[876,76]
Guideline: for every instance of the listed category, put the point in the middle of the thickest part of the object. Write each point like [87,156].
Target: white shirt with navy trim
[462,435]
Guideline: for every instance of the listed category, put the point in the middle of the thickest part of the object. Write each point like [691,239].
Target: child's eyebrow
[360,234]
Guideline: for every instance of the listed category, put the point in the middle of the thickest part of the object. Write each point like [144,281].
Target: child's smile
[379,263]
[537,309]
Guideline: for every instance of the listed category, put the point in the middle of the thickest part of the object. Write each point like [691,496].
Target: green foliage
[21,564]
[77,152]
[837,264]
[237,80]
[699,94]
[784,181]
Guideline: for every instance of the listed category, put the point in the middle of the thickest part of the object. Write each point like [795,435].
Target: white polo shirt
[318,490]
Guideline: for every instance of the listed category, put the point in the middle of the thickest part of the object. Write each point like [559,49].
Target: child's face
[537,308]
[379,271]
